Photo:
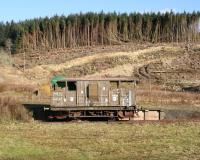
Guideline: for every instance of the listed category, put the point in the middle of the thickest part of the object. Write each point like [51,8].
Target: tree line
[89,29]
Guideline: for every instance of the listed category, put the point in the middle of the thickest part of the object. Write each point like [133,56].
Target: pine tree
[60,32]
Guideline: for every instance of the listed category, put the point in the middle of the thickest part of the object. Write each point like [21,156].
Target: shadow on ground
[174,114]
[37,110]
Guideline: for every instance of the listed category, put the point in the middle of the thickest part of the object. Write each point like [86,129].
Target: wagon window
[114,84]
[127,84]
[71,86]
[61,84]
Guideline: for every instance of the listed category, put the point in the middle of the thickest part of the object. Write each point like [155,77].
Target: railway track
[141,122]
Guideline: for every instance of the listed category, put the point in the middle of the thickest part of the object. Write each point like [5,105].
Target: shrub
[12,110]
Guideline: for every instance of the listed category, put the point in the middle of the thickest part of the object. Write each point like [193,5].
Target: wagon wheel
[120,114]
[124,115]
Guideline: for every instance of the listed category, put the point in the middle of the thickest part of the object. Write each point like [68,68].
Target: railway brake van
[108,98]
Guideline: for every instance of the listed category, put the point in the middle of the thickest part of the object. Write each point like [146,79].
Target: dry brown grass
[43,72]
[11,110]
[96,66]
[158,95]
[5,58]
[17,87]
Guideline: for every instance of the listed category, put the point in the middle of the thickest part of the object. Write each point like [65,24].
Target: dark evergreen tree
[60,32]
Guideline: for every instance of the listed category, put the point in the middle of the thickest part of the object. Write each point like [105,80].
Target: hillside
[140,61]
[164,70]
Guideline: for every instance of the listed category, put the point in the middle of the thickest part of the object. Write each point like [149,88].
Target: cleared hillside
[164,70]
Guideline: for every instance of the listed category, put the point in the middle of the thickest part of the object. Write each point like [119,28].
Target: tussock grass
[12,110]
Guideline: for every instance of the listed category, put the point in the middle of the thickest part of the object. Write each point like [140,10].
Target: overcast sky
[26,9]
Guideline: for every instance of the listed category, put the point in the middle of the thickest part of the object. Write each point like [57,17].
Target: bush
[11,110]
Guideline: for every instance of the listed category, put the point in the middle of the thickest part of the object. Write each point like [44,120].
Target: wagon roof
[127,79]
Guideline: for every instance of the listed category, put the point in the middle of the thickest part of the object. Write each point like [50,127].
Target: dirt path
[127,69]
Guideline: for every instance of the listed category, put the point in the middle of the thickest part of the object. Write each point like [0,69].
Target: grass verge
[100,141]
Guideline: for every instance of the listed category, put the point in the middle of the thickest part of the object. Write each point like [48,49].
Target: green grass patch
[99,141]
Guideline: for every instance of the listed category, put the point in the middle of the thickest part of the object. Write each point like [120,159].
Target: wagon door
[71,93]
[81,93]
[103,93]
[114,93]
[127,94]
[58,94]
[92,93]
